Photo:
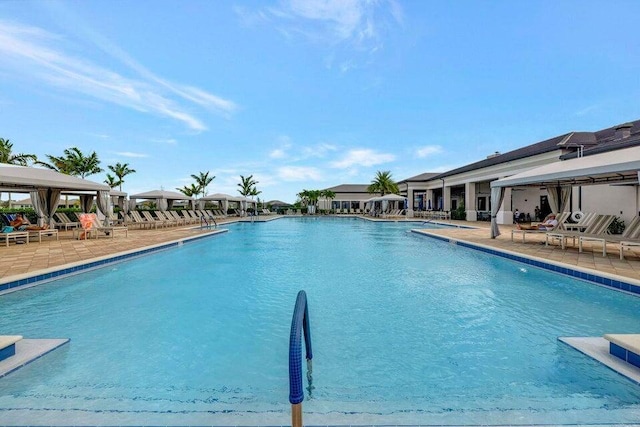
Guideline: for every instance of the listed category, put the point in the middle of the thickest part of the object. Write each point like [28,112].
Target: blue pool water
[406,330]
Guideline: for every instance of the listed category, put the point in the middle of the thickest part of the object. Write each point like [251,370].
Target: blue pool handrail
[299,325]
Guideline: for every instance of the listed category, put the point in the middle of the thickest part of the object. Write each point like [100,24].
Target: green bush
[617,226]
[459,213]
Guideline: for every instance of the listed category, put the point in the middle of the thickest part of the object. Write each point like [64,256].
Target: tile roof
[349,188]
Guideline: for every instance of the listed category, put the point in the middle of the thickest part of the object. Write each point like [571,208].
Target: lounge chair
[62,220]
[9,233]
[137,218]
[148,217]
[163,216]
[175,215]
[561,218]
[632,232]
[51,232]
[597,227]
[91,226]
[581,225]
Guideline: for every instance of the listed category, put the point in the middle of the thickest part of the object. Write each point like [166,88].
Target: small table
[15,235]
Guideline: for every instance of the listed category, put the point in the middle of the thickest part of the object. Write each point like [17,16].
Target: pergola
[612,167]
[164,199]
[45,187]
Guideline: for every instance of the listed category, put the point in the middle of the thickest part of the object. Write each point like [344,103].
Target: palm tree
[190,191]
[310,198]
[329,195]
[7,156]
[75,163]
[111,181]
[120,170]
[383,183]
[248,186]
[203,179]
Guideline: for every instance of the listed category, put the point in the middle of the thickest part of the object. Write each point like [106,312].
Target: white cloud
[299,173]
[362,157]
[38,54]
[319,150]
[130,154]
[428,150]
[353,26]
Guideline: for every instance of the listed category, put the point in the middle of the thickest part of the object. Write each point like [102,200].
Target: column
[470,201]
[410,201]
[446,199]
[429,200]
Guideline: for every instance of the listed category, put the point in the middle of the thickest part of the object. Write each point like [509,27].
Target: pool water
[406,330]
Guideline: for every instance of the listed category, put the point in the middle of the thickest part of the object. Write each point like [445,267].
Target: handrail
[299,325]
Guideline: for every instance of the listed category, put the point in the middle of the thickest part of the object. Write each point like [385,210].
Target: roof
[29,178]
[611,167]
[278,203]
[350,188]
[160,194]
[419,178]
[546,146]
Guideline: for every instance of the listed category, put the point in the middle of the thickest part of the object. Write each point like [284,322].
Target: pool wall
[29,279]
[615,282]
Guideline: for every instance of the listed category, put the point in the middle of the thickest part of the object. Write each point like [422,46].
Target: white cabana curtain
[45,202]
[86,201]
[132,205]
[162,204]
[497,195]
[559,198]
[102,202]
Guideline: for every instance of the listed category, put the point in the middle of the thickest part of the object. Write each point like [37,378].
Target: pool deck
[24,259]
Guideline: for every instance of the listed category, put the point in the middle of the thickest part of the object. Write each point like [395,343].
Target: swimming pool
[406,330]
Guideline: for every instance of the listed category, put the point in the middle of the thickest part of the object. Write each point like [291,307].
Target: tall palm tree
[202,180]
[329,195]
[248,186]
[112,181]
[7,156]
[383,183]
[120,170]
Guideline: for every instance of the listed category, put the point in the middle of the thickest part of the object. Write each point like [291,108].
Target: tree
[383,183]
[7,156]
[189,191]
[112,181]
[248,186]
[310,198]
[202,180]
[120,170]
[329,195]
[75,163]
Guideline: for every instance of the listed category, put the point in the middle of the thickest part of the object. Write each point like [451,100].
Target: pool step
[625,347]
[25,351]
[8,345]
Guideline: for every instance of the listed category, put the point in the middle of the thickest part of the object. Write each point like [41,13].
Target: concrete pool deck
[20,259]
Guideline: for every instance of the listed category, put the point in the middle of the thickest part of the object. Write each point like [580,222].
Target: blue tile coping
[28,350]
[612,281]
[37,278]
[625,347]
[8,345]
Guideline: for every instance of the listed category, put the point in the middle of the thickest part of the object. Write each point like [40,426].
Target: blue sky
[309,94]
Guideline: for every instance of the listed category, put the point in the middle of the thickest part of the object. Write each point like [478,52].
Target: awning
[15,178]
[617,166]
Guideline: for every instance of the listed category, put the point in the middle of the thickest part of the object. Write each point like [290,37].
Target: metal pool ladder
[299,324]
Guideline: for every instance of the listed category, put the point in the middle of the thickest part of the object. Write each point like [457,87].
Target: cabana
[164,199]
[221,198]
[611,167]
[45,187]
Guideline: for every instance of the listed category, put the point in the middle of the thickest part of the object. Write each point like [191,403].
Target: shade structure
[617,166]
[164,199]
[25,178]
[45,186]
[219,197]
